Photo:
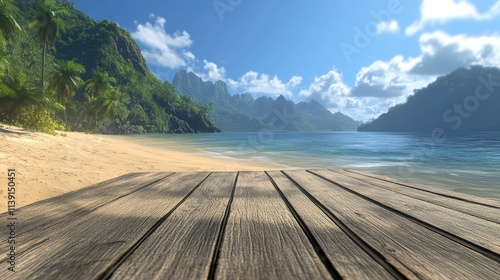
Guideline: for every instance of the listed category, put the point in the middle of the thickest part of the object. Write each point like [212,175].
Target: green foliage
[16,92]
[47,25]
[25,55]
[138,116]
[8,24]
[34,118]
[120,94]
[66,79]
[110,105]
[47,21]
[102,100]
[99,83]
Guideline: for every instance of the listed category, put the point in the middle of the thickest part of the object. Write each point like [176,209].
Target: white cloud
[254,82]
[189,55]
[377,88]
[251,82]
[214,73]
[443,53]
[381,84]
[371,108]
[163,49]
[386,83]
[331,91]
[388,80]
[442,11]
[387,27]
[294,82]
[440,54]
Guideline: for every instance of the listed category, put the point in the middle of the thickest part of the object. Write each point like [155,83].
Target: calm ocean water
[468,163]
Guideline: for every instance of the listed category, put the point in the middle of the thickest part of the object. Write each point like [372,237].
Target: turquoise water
[468,163]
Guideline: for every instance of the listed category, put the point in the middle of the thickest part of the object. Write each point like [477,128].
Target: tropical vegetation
[60,69]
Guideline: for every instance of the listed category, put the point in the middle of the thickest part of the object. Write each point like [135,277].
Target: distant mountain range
[465,100]
[241,112]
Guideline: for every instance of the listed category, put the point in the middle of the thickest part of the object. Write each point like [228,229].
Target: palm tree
[99,83]
[111,104]
[8,28]
[18,93]
[6,93]
[47,25]
[66,81]
[8,25]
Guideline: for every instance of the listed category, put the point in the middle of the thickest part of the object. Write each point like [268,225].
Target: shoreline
[49,166]
[442,180]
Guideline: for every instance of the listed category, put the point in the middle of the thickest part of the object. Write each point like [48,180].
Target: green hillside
[95,77]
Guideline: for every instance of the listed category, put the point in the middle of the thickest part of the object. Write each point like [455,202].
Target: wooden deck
[317,224]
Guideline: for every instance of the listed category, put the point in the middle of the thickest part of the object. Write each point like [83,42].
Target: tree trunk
[84,114]
[65,115]
[43,65]
[101,117]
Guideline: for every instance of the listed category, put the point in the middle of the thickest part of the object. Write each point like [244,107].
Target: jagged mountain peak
[241,112]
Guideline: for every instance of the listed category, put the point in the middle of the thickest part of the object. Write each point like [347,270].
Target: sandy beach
[48,165]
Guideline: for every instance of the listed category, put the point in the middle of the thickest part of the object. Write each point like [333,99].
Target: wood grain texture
[182,246]
[40,219]
[473,229]
[84,248]
[429,189]
[262,238]
[483,211]
[416,251]
[348,258]
[281,225]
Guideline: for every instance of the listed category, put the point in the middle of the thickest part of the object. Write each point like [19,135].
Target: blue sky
[357,57]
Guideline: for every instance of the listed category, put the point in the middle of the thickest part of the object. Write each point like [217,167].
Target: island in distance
[242,112]
[466,100]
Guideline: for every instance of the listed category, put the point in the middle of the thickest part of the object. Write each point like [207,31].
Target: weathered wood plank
[348,258]
[477,231]
[443,192]
[83,200]
[486,212]
[414,250]
[38,220]
[262,238]
[183,245]
[157,222]
[86,247]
